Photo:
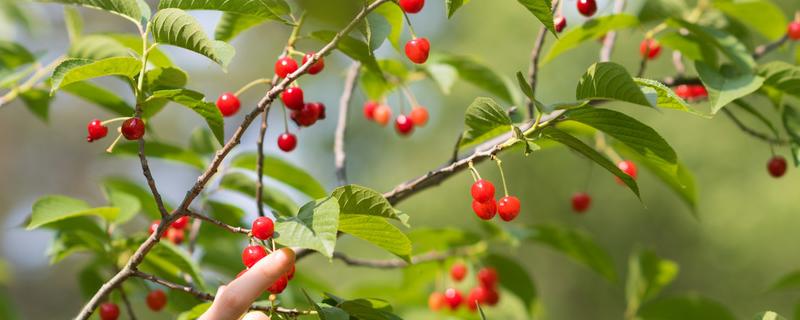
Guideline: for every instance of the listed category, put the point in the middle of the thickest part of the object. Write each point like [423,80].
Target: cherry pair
[156,300]
[175,231]
[404,124]
[417,49]
[286,65]
[254,253]
[691,92]
[485,206]
[131,129]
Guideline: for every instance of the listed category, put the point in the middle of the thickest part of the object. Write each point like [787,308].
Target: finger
[241,292]
[255,315]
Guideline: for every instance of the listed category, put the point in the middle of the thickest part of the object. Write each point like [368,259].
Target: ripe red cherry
[382,114]
[417,50]
[96,130]
[287,142]
[436,301]
[403,125]
[777,166]
[793,30]
[285,66]
[369,109]
[317,66]
[279,285]
[458,271]
[109,311]
[684,91]
[228,104]
[290,274]
[698,91]
[156,300]
[560,23]
[482,191]
[453,298]
[263,228]
[487,277]
[485,210]
[508,208]
[180,223]
[133,128]
[581,202]
[252,254]
[650,48]
[293,98]
[478,295]
[412,6]
[175,236]
[318,109]
[587,7]
[419,116]
[629,168]
[492,297]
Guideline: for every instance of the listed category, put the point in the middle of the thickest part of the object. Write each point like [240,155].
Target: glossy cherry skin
[180,223]
[776,166]
[417,50]
[292,98]
[252,254]
[369,109]
[285,66]
[317,66]
[287,142]
[279,285]
[560,23]
[109,311]
[436,301]
[650,49]
[96,130]
[478,295]
[154,226]
[793,31]
[458,271]
[581,202]
[684,91]
[485,210]
[382,114]
[132,129]
[263,228]
[492,296]
[629,168]
[698,91]
[412,6]
[482,191]
[487,277]
[453,298]
[318,109]
[419,116]
[403,125]
[176,236]
[587,7]
[228,104]
[508,208]
[156,300]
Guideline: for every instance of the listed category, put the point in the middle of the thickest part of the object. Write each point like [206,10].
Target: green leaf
[728,44]
[451,6]
[128,204]
[168,78]
[203,142]
[38,102]
[608,80]
[688,307]
[100,96]
[13,55]
[516,279]
[781,76]
[470,70]
[164,151]
[314,227]
[768,315]
[98,47]
[355,199]
[657,10]
[541,10]
[136,11]
[576,245]
[356,49]
[74,23]
[378,231]
[761,15]
[724,89]
[155,56]
[440,239]
[178,28]
[194,101]
[268,9]
[590,30]
[691,46]
[285,172]
[55,208]
[791,122]
[232,24]
[664,96]
[483,120]
[68,242]
[375,30]
[274,198]
[124,186]
[325,312]
[90,280]
[578,145]
[170,257]
[76,70]
[394,16]
[368,309]
[195,312]
[648,274]
[527,89]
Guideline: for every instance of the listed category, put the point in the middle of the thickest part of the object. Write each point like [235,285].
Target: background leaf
[283,171]
[516,279]
[575,245]
[608,80]
[163,151]
[55,208]
[541,10]
[178,28]
[590,30]
[648,274]
[761,15]
[75,70]
[689,307]
[133,10]
[314,227]
[274,198]
[483,120]
[722,89]
[469,70]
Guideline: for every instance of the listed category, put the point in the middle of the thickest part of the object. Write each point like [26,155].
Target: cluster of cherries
[131,129]
[175,233]
[404,124]
[485,293]
[417,49]
[156,301]
[485,205]
[263,229]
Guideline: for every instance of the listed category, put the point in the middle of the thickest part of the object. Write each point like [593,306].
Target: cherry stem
[475,175]
[285,120]
[272,242]
[409,95]
[111,147]
[252,84]
[410,27]
[114,120]
[502,175]
[600,143]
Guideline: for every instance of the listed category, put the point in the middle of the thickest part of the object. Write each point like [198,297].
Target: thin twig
[533,69]
[762,50]
[432,256]
[340,157]
[755,133]
[150,181]
[454,156]
[219,223]
[611,37]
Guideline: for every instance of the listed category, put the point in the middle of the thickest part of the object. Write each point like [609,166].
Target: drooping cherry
[252,254]
[317,66]
[482,191]
[453,298]
[263,228]
[417,50]
[485,210]
[458,271]
[581,202]
[382,114]
[318,109]
[285,66]
[508,208]
[279,285]
[306,116]
[412,6]
[492,296]
[560,23]
[478,295]
[436,301]
[487,277]
[793,31]
[133,128]
[629,168]
[96,130]
[292,98]
[180,223]
[650,48]
[109,311]
[403,125]
[228,104]
[587,7]
[419,116]
[777,166]
[156,300]
[287,142]
[369,109]
[684,91]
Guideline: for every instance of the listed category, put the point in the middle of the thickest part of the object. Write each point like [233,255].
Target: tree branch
[764,49]
[432,256]
[260,162]
[219,223]
[340,157]
[150,181]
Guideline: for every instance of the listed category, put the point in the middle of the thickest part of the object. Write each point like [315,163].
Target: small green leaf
[483,120]
[451,6]
[691,46]
[268,9]
[781,76]
[202,141]
[469,70]
[768,315]
[761,15]
[368,309]
[648,274]
[232,24]
[74,23]
[440,239]
[68,242]
[791,122]
[55,208]
[727,43]
[194,101]
[122,185]
[128,204]
[355,199]
[170,257]
[162,150]
[38,102]
[178,28]
[657,10]
[394,16]
[100,96]
[756,114]
[575,245]
[376,29]
[13,55]
[167,78]
[527,90]
[590,30]
[155,56]
[723,89]
[284,172]
[195,312]
[378,231]
[314,227]
[76,70]
[541,10]
[274,198]
[136,11]
[354,48]
[664,96]
[608,80]
[688,307]
[516,279]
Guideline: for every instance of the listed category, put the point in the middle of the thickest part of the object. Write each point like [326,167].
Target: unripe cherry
[285,66]
[485,210]
[482,191]
[458,271]
[317,66]
[109,311]
[417,50]
[403,125]
[287,142]
[777,166]
[156,300]
[180,223]
[96,130]
[412,6]
[382,114]
[650,49]
[252,254]
[279,285]
[453,298]
[487,277]
[263,228]
[292,98]
[793,31]
[508,208]
[436,301]
[228,104]
[587,7]
[581,202]
[133,128]
[560,23]
[369,109]
[419,116]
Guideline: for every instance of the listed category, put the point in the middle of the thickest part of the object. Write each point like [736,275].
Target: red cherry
[109,311]
[793,30]
[369,109]
[228,104]
[629,168]
[263,228]
[508,208]
[453,298]
[403,125]
[485,210]
[684,91]
[285,66]
[279,285]
[458,271]
[382,114]
[133,128]
[318,109]
[308,115]
[581,202]
[436,301]
[482,191]
[650,48]
[492,297]
[777,166]
[412,6]
[560,23]
[287,142]
[180,223]
[290,274]
[487,277]
[587,7]
[698,91]
[293,98]
[419,116]
[156,300]
[317,66]
[417,50]
[478,295]
[252,254]
[175,236]
[96,130]
[154,226]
